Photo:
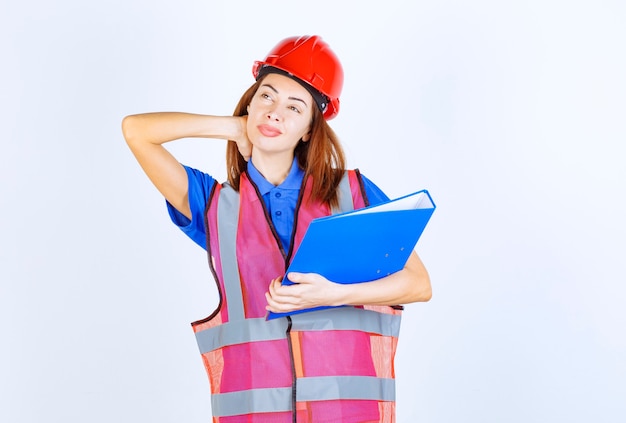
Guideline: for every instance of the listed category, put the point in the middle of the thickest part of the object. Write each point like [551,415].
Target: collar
[292,181]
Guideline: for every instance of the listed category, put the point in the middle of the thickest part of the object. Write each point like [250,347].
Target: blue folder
[362,245]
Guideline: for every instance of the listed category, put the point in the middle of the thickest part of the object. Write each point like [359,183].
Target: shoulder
[199,177]
[373,194]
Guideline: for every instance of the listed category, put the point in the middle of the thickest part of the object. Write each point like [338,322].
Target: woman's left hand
[309,290]
[411,284]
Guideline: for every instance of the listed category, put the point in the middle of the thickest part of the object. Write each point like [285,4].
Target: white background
[512,114]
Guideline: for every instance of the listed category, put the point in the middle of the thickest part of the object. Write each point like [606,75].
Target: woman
[285,167]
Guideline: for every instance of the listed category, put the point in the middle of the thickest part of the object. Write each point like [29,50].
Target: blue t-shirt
[280,201]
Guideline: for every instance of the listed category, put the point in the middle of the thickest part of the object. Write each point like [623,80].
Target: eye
[294,109]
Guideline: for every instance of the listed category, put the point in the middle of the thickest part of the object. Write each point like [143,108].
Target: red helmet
[310,60]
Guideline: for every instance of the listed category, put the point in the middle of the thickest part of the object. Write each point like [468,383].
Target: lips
[268,130]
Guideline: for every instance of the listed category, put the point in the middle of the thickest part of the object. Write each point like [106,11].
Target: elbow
[416,290]
[423,290]
[427,294]
[418,281]
[129,129]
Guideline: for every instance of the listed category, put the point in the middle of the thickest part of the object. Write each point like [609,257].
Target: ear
[306,137]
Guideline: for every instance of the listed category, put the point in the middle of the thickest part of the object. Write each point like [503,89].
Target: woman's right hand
[243,142]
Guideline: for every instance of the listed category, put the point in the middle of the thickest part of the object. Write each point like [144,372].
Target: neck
[274,169]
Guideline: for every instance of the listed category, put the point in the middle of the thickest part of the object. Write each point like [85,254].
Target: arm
[411,284]
[145,134]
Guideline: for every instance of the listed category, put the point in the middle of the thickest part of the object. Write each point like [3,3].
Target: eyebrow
[290,98]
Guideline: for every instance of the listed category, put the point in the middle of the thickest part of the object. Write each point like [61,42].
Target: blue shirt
[280,200]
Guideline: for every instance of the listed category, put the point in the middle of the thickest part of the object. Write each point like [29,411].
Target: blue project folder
[362,245]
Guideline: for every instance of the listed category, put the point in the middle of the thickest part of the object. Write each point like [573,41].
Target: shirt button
[277,195]
[278,213]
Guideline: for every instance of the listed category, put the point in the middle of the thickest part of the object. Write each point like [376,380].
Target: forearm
[411,284]
[162,127]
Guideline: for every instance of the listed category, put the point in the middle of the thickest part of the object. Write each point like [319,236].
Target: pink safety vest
[332,365]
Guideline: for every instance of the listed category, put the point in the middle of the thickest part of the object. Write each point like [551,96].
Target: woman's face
[279,115]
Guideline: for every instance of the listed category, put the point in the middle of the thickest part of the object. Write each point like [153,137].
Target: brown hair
[322,157]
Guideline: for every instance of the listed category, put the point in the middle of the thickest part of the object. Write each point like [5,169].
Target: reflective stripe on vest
[344,196]
[251,401]
[235,336]
[229,201]
[342,318]
[317,388]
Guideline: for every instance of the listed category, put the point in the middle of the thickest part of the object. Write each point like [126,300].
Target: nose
[273,115]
